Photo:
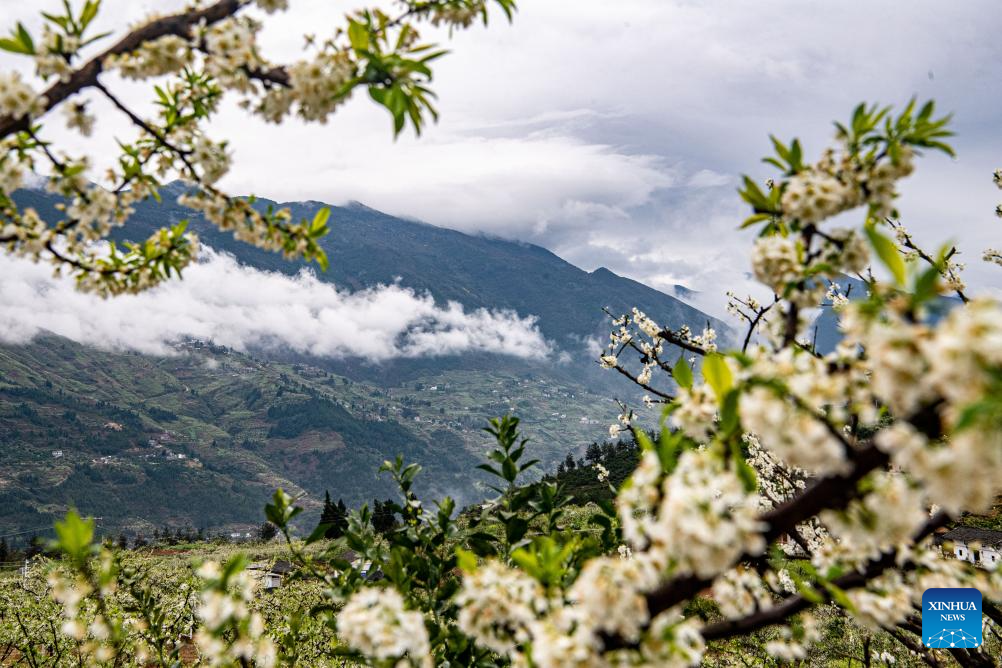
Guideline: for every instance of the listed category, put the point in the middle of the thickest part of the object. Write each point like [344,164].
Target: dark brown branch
[647,387]
[972,658]
[833,492]
[753,323]
[87,75]
[675,339]
[797,603]
[146,127]
[272,76]
[993,612]
[924,654]
[909,243]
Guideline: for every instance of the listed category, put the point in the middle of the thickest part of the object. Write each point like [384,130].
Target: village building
[981,547]
[270,575]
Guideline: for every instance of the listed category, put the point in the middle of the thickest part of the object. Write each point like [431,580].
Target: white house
[982,547]
[272,574]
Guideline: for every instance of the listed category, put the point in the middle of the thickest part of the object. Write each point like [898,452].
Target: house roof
[968,535]
[281,567]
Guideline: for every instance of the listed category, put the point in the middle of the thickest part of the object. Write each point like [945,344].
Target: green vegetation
[203,437]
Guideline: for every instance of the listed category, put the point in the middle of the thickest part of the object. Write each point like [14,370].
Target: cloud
[222,301]
[519,186]
[614,134]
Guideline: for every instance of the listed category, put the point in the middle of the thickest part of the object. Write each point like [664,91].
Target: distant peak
[355,204]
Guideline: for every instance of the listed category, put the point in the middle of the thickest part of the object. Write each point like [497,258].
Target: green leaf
[838,595]
[669,446]
[887,251]
[25,38]
[729,412]
[13,46]
[744,470]
[515,529]
[320,219]
[756,218]
[644,441]
[490,469]
[926,286]
[281,511]
[809,593]
[754,196]
[358,35]
[318,533]
[717,374]
[509,470]
[321,259]
[682,372]
[74,535]
[89,12]
[466,560]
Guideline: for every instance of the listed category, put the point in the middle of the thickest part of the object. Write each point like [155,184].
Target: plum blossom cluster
[17,97]
[377,623]
[498,605]
[192,60]
[229,628]
[696,520]
[897,419]
[850,459]
[509,612]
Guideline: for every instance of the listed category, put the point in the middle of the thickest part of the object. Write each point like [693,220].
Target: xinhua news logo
[951,618]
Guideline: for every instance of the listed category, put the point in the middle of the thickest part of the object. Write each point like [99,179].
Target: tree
[788,483]
[334,516]
[267,531]
[198,57]
[383,516]
[849,460]
[122,542]
[5,554]
[594,453]
[569,462]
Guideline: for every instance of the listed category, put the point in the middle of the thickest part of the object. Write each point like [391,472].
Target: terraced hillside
[205,436]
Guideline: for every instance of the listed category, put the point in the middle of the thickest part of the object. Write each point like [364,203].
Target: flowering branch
[798,603]
[207,52]
[87,75]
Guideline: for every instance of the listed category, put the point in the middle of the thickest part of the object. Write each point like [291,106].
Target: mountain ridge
[268,418]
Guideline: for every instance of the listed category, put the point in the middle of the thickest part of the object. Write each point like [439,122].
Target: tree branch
[797,603]
[913,646]
[833,492]
[87,75]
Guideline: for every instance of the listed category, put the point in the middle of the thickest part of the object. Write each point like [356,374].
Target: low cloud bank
[233,305]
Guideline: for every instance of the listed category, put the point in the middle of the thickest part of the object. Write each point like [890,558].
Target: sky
[615,133]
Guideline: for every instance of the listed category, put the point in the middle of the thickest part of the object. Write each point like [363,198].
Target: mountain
[368,248]
[203,436]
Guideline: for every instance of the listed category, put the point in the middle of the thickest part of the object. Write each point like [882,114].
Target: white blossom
[776,261]
[377,623]
[812,196]
[497,605]
[16,97]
